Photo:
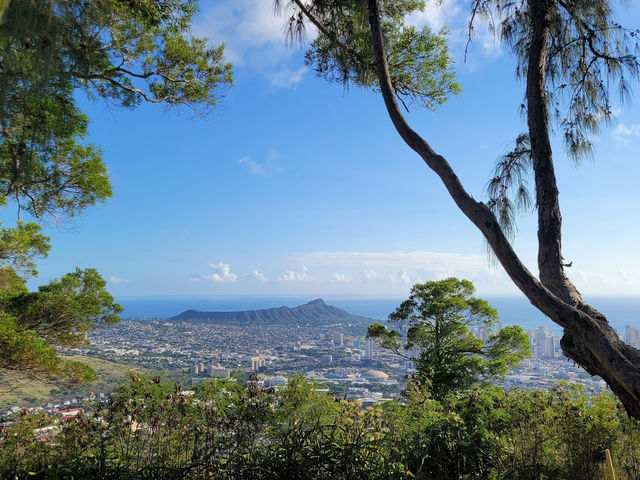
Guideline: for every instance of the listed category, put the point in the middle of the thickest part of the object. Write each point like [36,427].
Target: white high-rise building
[257,362]
[369,349]
[543,343]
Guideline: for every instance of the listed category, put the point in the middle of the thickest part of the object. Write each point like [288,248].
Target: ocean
[620,311]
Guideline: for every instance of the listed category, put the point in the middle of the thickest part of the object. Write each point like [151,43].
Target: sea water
[620,311]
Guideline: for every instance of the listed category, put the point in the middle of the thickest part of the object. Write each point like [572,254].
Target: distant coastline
[620,311]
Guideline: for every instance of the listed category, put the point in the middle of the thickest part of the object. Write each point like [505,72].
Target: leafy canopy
[58,314]
[119,51]
[433,327]
[419,61]
[52,52]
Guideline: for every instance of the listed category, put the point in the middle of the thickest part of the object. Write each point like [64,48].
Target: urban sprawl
[338,357]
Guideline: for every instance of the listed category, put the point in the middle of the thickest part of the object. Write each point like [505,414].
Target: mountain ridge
[315,311]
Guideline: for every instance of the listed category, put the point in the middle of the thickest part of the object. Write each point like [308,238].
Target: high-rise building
[543,343]
[481,332]
[356,343]
[338,339]
[631,335]
[557,350]
[369,349]
[628,333]
[257,363]
[218,371]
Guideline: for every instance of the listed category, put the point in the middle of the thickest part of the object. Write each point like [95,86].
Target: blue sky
[297,187]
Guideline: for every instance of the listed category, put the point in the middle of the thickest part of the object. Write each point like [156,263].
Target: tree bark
[550,262]
[589,339]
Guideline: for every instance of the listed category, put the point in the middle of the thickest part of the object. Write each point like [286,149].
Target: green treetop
[434,330]
[421,68]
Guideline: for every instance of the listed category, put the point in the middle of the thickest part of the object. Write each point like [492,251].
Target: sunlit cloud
[292,276]
[405,277]
[341,278]
[624,133]
[444,262]
[369,274]
[254,37]
[286,77]
[454,16]
[258,276]
[437,15]
[254,168]
[221,274]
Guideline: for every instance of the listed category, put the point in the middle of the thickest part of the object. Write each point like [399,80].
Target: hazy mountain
[315,312]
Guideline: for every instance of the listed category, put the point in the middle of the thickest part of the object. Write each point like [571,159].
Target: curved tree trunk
[550,260]
[589,339]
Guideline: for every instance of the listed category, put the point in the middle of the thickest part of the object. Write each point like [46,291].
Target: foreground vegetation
[451,423]
[153,429]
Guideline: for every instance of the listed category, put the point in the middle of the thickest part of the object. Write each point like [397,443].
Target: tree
[570,52]
[434,329]
[51,53]
[119,51]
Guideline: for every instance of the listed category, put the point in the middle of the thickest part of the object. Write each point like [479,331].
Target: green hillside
[23,392]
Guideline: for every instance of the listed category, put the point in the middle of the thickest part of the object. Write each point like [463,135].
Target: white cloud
[405,277]
[118,280]
[445,262]
[454,16]
[286,77]
[623,276]
[437,15]
[263,168]
[369,274]
[376,269]
[490,42]
[254,168]
[291,276]
[242,24]
[222,273]
[623,133]
[341,278]
[258,276]
[254,37]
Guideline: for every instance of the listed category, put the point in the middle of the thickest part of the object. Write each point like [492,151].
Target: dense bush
[224,431]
